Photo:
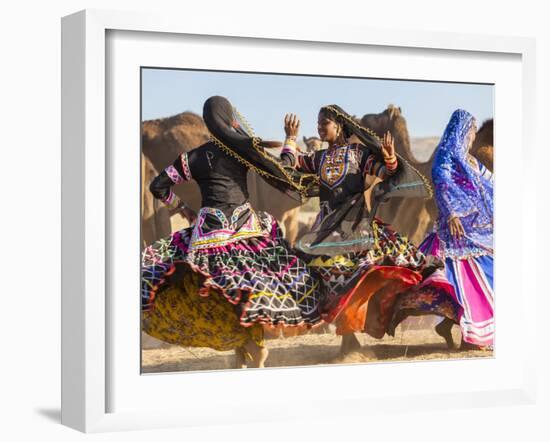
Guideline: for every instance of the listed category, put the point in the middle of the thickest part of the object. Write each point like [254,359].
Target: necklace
[334,165]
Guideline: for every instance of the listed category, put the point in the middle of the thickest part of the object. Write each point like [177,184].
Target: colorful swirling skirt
[182,317]
[431,297]
[472,279]
[462,292]
[249,265]
[360,289]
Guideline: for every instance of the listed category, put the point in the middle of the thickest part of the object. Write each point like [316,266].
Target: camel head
[484,135]
[391,119]
[312,143]
[165,138]
[383,121]
[483,148]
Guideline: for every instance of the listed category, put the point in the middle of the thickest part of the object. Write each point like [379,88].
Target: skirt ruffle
[182,317]
[261,276]
[461,292]
[434,296]
[472,279]
[361,288]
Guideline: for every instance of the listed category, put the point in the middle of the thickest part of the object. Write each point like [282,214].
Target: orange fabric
[384,281]
[380,308]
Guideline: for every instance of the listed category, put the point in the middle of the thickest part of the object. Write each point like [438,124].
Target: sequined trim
[203,238]
[334,166]
[173,174]
[184,158]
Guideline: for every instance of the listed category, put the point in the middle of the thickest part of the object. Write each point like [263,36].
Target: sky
[264,99]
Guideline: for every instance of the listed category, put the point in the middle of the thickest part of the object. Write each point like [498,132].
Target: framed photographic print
[286,215]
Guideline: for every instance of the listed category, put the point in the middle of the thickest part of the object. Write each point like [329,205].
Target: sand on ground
[409,344]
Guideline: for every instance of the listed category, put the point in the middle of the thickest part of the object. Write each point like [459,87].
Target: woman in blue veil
[463,235]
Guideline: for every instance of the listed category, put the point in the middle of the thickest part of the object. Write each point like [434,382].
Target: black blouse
[341,170]
[221,178]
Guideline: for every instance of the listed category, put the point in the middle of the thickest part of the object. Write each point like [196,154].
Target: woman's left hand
[388,146]
[455,227]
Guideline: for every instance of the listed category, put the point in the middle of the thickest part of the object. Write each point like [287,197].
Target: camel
[412,217]
[155,218]
[166,138]
[483,148]
[312,143]
[162,141]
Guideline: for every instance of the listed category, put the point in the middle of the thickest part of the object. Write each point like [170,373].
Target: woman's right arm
[442,176]
[161,186]
[290,155]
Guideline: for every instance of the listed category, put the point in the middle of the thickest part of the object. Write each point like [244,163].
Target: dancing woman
[463,234]
[215,283]
[362,262]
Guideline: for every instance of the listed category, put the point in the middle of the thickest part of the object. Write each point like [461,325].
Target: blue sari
[462,291]
[464,189]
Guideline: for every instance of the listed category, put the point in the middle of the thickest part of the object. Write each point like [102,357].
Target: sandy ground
[314,349]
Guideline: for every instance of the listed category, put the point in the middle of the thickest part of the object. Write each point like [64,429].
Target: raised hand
[388,146]
[292,125]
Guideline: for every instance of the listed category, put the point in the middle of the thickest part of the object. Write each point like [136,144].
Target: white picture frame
[87,213]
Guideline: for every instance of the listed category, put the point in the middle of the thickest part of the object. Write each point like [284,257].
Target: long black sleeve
[177,172]
[161,186]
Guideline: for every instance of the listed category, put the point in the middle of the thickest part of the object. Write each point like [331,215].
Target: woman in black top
[363,263]
[233,255]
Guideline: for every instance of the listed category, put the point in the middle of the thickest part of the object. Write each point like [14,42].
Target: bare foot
[240,358]
[443,329]
[258,354]
[350,343]
[263,354]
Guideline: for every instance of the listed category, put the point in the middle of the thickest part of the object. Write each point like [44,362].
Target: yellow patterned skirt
[182,317]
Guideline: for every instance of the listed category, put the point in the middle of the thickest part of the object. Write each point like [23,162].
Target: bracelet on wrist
[171,200]
[289,146]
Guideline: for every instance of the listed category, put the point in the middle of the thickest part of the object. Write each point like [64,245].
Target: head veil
[232,134]
[406,182]
[349,228]
[460,190]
